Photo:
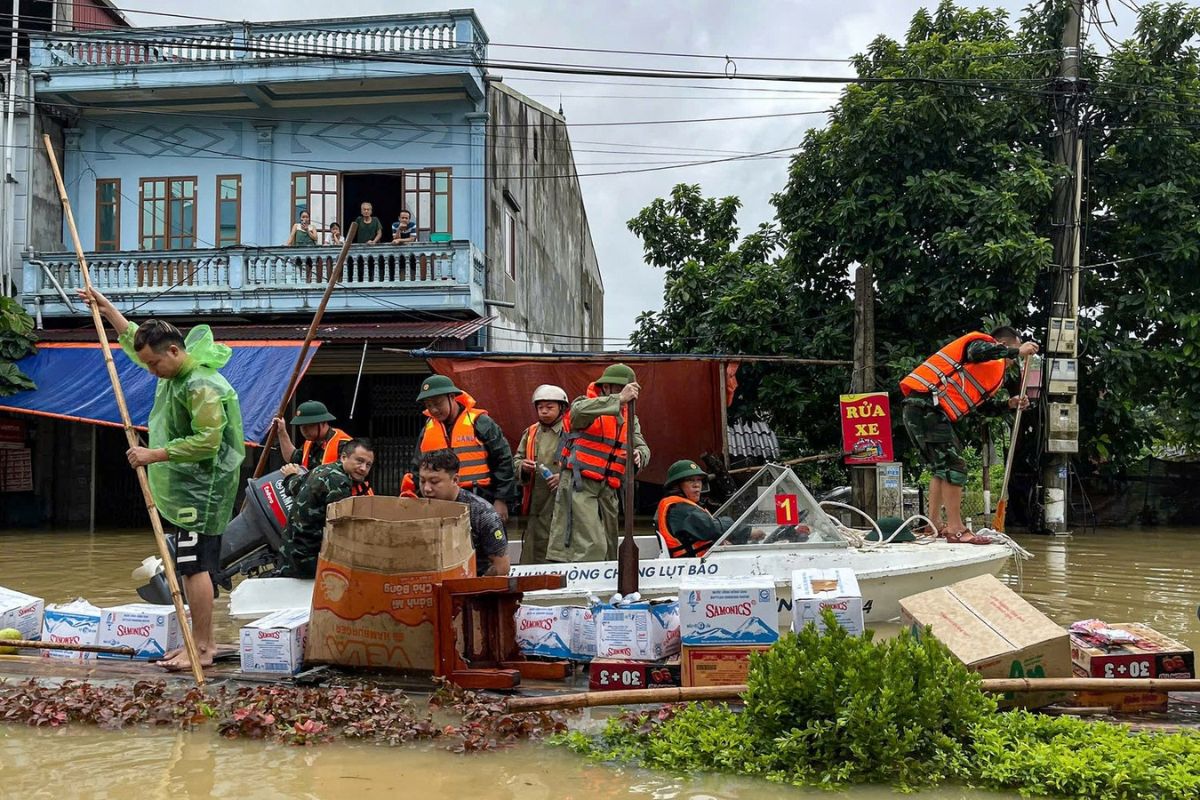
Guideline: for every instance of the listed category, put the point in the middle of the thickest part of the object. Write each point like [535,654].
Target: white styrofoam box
[151,630]
[814,590]
[545,630]
[275,643]
[638,632]
[583,635]
[21,611]
[76,622]
[720,611]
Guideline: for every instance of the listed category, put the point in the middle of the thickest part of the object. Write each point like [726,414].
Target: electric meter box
[1063,428]
[889,490]
[1064,376]
[1062,336]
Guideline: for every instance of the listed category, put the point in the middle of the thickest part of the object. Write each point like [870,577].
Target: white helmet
[550,392]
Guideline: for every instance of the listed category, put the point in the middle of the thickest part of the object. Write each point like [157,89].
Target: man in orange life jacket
[596,438]
[686,527]
[962,377]
[455,423]
[321,440]
[540,452]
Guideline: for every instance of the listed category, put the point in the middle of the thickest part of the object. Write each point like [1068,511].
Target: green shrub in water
[836,709]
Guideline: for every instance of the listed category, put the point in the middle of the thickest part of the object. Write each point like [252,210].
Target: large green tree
[944,186]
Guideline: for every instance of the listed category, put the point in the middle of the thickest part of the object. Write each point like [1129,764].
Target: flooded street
[1120,576]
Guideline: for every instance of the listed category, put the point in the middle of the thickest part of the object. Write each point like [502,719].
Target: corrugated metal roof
[752,440]
[410,332]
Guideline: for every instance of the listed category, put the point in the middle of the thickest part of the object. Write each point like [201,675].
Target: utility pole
[862,479]
[1060,428]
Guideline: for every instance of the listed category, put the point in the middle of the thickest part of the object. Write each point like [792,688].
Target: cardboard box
[151,630]
[546,630]
[1152,656]
[372,603]
[814,590]
[716,611]
[77,622]
[606,675]
[995,633]
[583,635]
[21,611]
[638,632]
[718,666]
[275,643]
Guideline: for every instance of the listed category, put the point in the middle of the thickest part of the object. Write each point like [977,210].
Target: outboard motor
[250,546]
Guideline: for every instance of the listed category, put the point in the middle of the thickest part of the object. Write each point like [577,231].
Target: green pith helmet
[310,412]
[684,469]
[436,385]
[617,375]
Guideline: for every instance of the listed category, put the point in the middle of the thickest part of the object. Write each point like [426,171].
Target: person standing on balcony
[404,231]
[370,230]
[455,423]
[194,458]
[321,440]
[303,233]
[335,234]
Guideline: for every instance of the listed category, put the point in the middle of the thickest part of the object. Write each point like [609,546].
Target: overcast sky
[745,29]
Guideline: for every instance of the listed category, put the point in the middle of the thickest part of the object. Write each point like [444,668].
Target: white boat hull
[885,574]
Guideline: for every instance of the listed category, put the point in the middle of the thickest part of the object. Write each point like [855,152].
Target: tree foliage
[944,186]
[16,341]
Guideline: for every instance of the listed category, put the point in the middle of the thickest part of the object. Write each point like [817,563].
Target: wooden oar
[334,276]
[28,644]
[688,694]
[627,553]
[130,434]
[1002,506]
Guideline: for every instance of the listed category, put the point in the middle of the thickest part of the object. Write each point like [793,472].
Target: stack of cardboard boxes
[722,622]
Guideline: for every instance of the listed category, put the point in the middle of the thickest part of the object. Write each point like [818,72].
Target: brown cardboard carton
[718,665]
[1152,656]
[995,633]
[373,598]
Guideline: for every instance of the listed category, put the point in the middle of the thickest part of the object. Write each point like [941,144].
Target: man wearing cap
[456,423]
[685,527]
[596,440]
[538,464]
[321,440]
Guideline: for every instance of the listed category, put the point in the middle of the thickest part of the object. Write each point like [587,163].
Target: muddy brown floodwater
[1149,576]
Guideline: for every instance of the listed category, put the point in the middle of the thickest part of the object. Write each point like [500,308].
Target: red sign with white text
[866,428]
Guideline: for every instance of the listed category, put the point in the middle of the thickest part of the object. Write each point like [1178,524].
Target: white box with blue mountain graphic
[546,630]
[639,631]
[716,611]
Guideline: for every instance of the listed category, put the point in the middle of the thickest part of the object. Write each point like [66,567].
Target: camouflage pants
[934,436]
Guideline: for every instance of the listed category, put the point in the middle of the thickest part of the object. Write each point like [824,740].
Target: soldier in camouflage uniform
[314,491]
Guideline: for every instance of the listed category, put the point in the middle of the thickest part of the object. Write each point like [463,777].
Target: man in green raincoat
[194,456]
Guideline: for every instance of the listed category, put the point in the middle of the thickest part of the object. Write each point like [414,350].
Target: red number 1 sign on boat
[866,428]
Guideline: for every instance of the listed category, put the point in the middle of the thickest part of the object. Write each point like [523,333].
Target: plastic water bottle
[630,599]
[615,600]
[545,471]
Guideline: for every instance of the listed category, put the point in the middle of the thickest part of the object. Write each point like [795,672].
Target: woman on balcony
[303,233]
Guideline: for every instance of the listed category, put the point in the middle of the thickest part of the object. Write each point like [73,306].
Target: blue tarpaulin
[73,383]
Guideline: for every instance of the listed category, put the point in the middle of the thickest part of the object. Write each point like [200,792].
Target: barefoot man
[195,454]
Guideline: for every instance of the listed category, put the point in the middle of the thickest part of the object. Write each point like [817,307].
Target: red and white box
[21,611]
[275,643]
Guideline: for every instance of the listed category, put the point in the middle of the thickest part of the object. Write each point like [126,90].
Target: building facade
[190,152]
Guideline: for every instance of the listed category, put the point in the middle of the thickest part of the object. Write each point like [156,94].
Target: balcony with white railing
[376,279]
[260,52]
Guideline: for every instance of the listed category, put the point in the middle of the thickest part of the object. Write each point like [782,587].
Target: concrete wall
[557,274]
[361,139]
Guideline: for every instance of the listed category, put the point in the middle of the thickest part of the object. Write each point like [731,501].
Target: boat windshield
[775,507]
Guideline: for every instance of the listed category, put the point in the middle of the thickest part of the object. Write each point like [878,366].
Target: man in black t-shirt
[438,472]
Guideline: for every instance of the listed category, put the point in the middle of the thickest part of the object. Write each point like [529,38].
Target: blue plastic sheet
[73,383]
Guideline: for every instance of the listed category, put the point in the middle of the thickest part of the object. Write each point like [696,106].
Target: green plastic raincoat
[197,419]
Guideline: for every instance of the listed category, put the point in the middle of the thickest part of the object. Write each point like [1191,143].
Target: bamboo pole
[627,551]
[1002,503]
[687,694]
[334,276]
[26,644]
[130,434]
[791,462]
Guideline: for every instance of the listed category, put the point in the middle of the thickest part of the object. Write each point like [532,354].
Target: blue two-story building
[189,154]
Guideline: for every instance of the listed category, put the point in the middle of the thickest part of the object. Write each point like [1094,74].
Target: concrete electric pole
[862,478]
[1060,430]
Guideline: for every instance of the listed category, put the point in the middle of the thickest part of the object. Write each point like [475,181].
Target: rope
[856,538]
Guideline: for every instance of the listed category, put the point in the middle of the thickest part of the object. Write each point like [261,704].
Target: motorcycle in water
[251,545]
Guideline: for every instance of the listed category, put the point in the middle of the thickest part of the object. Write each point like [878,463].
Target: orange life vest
[958,388]
[676,547]
[361,489]
[531,454]
[330,453]
[473,470]
[598,452]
